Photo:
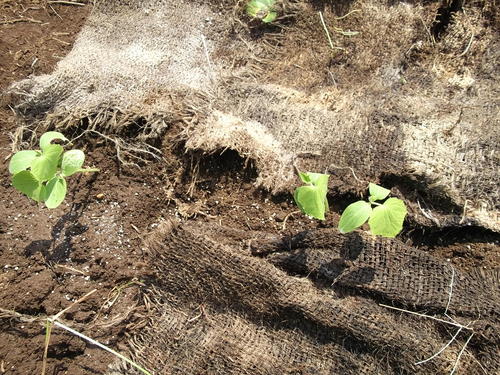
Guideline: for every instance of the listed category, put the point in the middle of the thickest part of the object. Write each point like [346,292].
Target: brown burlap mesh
[386,267]
[222,310]
[395,102]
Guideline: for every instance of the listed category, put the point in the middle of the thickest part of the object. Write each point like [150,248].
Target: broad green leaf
[311,201]
[316,179]
[320,180]
[354,216]
[26,183]
[72,162]
[21,161]
[55,192]
[387,219]
[47,138]
[44,167]
[39,194]
[377,193]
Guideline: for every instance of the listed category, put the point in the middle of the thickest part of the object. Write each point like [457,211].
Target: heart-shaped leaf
[72,161]
[39,194]
[377,193]
[44,167]
[311,201]
[26,183]
[47,138]
[387,219]
[354,216]
[21,161]
[55,192]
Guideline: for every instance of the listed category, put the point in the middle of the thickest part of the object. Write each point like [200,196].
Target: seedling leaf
[26,183]
[305,177]
[72,162]
[21,161]
[55,192]
[44,167]
[318,179]
[39,194]
[377,193]
[354,216]
[387,219]
[311,201]
[47,138]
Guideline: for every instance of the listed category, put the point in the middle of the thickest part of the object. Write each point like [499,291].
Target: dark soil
[49,259]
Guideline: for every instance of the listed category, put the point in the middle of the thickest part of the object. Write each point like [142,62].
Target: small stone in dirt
[280,217]
[100,196]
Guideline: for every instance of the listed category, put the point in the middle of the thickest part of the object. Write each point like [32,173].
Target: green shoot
[263,10]
[386,219]
[311,198]
[40,174]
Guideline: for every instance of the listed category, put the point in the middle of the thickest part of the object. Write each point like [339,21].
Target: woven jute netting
[405,98]
[397,97]
[309,304]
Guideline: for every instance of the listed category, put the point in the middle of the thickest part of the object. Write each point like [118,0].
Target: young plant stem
[48,330]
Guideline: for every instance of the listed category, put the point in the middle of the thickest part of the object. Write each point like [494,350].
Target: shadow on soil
[56,249]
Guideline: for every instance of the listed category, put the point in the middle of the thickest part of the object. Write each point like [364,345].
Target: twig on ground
[207,55]
[427,316]
[4,313]
[48,328]
[460,355]
[451,290]
[286,219]
[428,215]
[348,14]
[55,12]
[104,347]
[328,33]
[464,212]
[350,168]
[66,3]
[468,46]
[71,269]
[9,22]
[442,349]
[80,300]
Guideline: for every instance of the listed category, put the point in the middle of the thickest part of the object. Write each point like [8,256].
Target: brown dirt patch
[51,258]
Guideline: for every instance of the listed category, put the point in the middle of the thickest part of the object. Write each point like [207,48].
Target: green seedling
[41,174]
[386,219]
[263,10]
[311,198]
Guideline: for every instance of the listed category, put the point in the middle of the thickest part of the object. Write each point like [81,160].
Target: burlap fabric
[399,104]
[223,308]
[395,103]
